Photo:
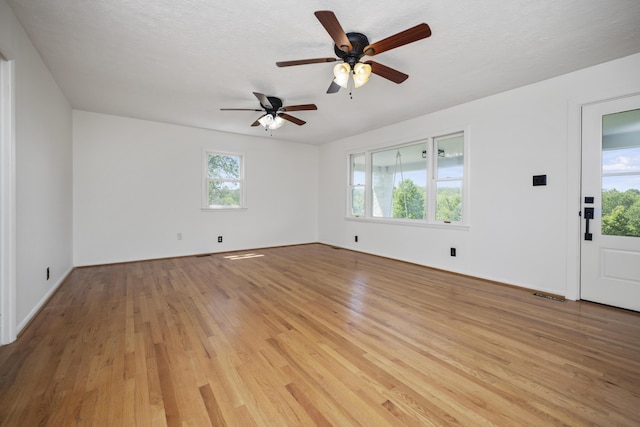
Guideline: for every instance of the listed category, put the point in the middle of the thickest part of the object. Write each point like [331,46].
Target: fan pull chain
[351,83]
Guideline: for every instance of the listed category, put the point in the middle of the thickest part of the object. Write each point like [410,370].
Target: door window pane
[621,174]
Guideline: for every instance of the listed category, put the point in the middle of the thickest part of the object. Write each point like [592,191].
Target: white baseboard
[23,324]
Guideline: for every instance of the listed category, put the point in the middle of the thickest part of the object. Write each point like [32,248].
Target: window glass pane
[449,201]
[621,160]
[358,169]
[399,180]
[450,157]
[621,174]
[224,194]
[357,201]
[621,205]
[223,167]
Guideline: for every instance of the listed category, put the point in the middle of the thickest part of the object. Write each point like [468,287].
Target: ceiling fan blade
[334,87]
[292,119]
[302,107]
[240,109]
[387,72]
[305,61]
[330,23]
[264,101]
[420,31]
[256,123]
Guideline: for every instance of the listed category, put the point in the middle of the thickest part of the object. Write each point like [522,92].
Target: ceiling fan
[274,112]
[351,47]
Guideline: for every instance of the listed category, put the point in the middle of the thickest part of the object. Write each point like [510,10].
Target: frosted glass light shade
[341,72]
[361,73]
[271,122]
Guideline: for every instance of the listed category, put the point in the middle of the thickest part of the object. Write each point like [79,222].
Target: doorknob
[588,214]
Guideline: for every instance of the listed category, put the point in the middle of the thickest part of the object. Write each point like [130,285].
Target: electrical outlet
[48,275]
[219,239]
[356,239]
[179,236]
[453,251]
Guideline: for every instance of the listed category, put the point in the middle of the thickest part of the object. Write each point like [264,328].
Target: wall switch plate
[453,251]
[539,180]
[356,239]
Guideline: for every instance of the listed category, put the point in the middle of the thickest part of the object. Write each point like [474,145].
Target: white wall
[138,183]
[43,173]
[519,234]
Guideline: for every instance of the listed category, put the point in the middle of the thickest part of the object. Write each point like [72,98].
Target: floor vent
[202,255]
[538,294]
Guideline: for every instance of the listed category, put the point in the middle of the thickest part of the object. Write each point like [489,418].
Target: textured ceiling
[181,61]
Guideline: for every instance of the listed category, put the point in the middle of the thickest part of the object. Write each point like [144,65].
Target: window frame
[436,180]
[431,180]
[205,181]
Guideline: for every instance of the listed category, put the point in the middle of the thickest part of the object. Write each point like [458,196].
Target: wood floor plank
[313,335]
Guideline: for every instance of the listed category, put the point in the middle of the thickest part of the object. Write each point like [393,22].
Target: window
[357,184]
[223,186]
[422,181]
[448,177]
[399,182]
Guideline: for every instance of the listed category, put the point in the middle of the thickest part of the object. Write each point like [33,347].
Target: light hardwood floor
[314,335]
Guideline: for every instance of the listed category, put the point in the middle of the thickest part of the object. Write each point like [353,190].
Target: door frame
[574,189]
[8,264]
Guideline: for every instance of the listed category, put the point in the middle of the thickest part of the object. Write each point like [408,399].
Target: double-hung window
[422,182]
[449,177]
[357,184]
[224,181]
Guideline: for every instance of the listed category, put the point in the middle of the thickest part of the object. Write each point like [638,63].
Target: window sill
[410,223]
[222,209]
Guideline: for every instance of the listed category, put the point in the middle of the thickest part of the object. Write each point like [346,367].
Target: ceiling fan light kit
[271,122]
[343,71]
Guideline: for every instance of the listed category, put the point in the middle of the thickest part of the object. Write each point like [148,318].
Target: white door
[610,249]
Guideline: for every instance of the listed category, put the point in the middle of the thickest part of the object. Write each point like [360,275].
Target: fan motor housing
[276,105]
[358,42]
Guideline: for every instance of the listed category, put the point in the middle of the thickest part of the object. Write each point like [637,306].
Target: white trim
[8,330]
[226,208]
[573,223]
[43,301]
[204,194]
[410,222]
